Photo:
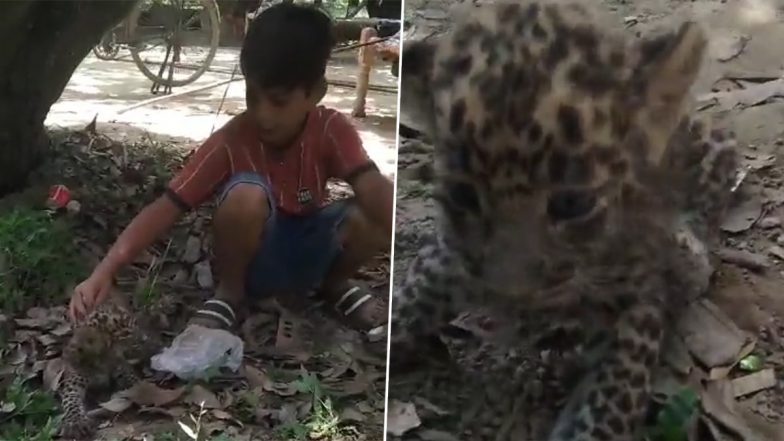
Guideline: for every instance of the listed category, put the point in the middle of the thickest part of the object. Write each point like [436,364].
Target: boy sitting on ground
[273,231]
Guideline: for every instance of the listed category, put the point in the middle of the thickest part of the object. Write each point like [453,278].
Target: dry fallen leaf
[740,218]
[18,357]
[755,382]
[402,417]
[53,372]
[351,414]
[222,415]
[427,405]
[710,335]
[201,396]
[257,378]
[39,366]
[720,372]
[719,404]
[61,330]
[203,274]
[117,404]
[148,394]
[34,323]
[47,340]
[287,413]
[192,251]
[284,389]
[37,312]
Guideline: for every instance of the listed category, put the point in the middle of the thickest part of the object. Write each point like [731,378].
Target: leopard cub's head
[549,127]
[88,347]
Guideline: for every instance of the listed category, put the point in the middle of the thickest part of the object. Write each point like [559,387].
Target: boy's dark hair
[287,46]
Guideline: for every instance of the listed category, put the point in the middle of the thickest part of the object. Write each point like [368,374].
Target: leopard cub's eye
[567,205]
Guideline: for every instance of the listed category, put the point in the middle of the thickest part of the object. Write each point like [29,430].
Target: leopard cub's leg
[708,158]
[611,400]
[73,390]
[125,375]
[425,302]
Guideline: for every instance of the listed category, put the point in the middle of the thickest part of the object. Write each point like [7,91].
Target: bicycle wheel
[108,48]
[164,31]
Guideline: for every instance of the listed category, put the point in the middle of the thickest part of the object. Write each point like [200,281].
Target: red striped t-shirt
[328,147]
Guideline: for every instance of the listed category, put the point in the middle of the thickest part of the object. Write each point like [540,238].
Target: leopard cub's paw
[77,427]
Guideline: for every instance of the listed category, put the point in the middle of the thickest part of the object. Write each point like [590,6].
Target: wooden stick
[174,95]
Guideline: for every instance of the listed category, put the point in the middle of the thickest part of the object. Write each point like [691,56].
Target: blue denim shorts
[295,252]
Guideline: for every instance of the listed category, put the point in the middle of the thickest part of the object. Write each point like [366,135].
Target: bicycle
[160,33]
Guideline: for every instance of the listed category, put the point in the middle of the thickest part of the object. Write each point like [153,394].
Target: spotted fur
[101,352]
[568,174]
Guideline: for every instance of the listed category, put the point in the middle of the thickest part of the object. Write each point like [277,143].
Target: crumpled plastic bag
[199,349]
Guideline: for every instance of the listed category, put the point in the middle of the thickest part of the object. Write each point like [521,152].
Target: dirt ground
[304,376]
[741,86]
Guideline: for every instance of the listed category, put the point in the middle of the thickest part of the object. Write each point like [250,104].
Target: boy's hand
[88,295]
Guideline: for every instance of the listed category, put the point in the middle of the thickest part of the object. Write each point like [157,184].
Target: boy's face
[279,112]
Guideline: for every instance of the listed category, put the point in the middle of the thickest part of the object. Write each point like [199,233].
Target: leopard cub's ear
[415,79]
[667,67]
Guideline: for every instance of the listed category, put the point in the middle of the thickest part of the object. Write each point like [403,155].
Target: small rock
[769,222]
[402,418]
[776,251]
[204,274]
[742,217]
[73,207]
[192,250]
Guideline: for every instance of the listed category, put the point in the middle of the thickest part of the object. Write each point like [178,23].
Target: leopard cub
[101,353]
[574,191]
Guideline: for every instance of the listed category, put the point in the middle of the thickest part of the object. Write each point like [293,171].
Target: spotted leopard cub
[101,353]
[564,164]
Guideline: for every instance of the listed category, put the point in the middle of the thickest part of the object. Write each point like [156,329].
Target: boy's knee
[245,199]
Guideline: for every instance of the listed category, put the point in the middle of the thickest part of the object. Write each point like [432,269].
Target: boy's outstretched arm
[375,195]
[189,188]
[154,220]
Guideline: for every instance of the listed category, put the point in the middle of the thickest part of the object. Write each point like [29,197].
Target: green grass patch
[323,421]
[26,413]
[675,417]
[38,259]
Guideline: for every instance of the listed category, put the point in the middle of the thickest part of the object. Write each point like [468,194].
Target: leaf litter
[111,181]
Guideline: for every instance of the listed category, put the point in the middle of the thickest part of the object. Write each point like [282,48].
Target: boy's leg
[238,224]
[362,240]
[321,251]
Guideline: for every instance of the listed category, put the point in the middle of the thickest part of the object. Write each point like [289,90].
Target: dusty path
[106,87]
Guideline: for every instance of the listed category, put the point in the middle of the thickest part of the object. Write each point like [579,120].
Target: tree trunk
[42,42]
